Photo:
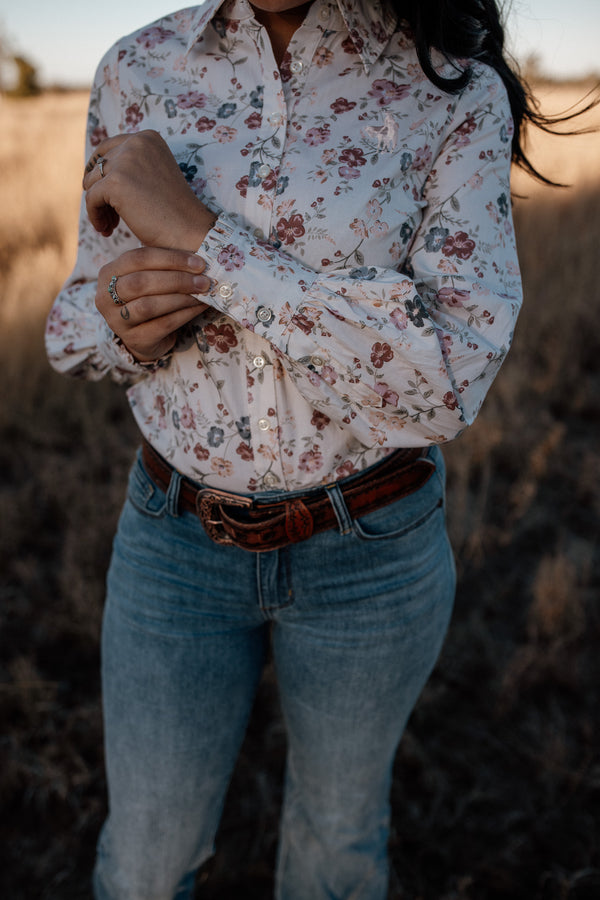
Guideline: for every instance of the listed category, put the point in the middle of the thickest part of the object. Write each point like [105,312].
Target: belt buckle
[207,502]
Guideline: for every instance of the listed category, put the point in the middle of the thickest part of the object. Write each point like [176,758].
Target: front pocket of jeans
[396,519]
[144,495]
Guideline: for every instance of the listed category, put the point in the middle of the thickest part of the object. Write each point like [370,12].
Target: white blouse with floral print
[365,277]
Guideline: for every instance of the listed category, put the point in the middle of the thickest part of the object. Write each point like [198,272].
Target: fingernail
[196,262]
[201,282]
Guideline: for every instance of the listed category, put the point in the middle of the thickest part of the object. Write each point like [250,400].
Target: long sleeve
[78,340]
[380,350]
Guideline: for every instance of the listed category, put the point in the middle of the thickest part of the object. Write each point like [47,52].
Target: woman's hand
[145,297]
[140,182]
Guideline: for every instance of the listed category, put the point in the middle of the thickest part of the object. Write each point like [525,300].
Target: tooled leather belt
[254,524]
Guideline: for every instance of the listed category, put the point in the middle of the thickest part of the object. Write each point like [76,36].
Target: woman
[296,249]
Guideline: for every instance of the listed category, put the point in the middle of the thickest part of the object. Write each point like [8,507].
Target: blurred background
[497,785]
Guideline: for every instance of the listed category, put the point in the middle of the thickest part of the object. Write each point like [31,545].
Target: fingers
[155,259]
[147,285]
[93,172]
[151,339]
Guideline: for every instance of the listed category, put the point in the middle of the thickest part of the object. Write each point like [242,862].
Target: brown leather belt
[253,524]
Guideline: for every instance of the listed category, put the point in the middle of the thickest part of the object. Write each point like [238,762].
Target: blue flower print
[364,273]
[503,205]
[216,436]
[226,110]
[416,312]
[406,161]
[170,108]
[256,97]
[253,177]
[435,239]
[282,183]
[190,172]
[243,427]
[406,232]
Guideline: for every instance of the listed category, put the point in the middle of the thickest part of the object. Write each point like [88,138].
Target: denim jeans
[356,618]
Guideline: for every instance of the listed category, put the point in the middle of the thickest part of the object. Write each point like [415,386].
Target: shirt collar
[370,23]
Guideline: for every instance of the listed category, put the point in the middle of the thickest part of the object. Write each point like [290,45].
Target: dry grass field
[497,788]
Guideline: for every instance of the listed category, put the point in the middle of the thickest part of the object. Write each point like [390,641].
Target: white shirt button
[264,315]
[259,361]
[275,119]
[263,424]
[263,170]
[270,479]
[225,290]
[259,234]
[296,66]
[317,361]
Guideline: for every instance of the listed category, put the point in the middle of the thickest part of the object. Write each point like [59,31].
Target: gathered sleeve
[414,348]
[78,340]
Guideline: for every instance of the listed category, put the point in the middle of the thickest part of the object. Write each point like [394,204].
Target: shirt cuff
[119,359]
[252,281]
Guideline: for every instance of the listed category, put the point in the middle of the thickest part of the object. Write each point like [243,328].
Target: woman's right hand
[145,297]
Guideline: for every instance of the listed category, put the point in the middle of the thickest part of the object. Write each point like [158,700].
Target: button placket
[262,406]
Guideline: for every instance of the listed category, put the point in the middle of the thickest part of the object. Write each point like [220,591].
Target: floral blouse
[365,277]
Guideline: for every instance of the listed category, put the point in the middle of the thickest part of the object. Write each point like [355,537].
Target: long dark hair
[473,29]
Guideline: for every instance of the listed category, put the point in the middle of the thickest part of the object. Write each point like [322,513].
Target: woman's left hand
[140,182]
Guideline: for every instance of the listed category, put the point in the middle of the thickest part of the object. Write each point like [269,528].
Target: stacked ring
[112,290]
[100,163]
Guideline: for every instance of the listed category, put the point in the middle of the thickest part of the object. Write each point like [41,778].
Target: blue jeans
[356,618]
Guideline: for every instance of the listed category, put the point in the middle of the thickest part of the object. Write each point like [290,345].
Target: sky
[65,39]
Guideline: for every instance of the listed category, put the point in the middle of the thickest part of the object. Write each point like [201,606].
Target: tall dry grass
[496,793]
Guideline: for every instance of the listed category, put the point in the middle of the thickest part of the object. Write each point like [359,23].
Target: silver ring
[100,163]
[112,290]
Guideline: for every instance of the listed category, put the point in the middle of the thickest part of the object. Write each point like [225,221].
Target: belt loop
[336,498]
[173,493]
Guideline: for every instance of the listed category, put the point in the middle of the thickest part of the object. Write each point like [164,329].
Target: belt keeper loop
[173,493]
[342,514]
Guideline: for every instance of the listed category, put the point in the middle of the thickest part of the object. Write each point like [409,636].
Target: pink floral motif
[387,92]
[289,230]
[150,37]
[389,396]
[301,321]
[450,400]
[453,296]
[381,352]
[245,451]
[231,257]
[353,156]
[319,420]
[423,158]
[201,453]
[317,135]
[459,245]
[311,460]
[221,337]
[205,124]
[98,135]
[186,417]
[323,57]
[341,105]
[133,115]
[222,467]
[225,134]
[191,100]
[254,120]
[242,185]
[346,468]
[399,318]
